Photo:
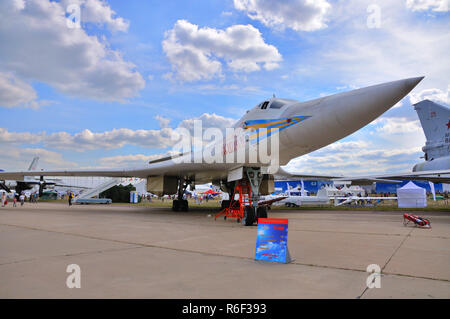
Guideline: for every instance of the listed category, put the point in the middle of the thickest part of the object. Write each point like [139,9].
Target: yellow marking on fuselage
[273,128]
[262,125]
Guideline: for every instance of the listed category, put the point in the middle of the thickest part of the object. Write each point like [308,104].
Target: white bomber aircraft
[303,127]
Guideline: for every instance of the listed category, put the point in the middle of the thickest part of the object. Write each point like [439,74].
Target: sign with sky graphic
[271,240]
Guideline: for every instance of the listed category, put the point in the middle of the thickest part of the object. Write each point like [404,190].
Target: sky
[93,83]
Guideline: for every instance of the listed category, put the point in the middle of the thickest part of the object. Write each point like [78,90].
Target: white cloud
[116,138]
[404,46]
[15,158]
[398,125]
[14,92]
[209,121]
[128,160]
[347,146]
[195,52]
[7,137]
[435,95]
[299,15]
[100,13]
[38,46]
[425,5]
[163,122]
[368,160]
[88,140]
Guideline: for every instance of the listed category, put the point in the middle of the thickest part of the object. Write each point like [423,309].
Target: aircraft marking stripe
[270,129]
[270,122]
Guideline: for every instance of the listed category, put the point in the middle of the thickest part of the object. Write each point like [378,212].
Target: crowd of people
[22,198]
[31,198]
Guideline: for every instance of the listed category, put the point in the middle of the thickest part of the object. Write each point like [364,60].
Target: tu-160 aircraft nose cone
[408,84]
[412,82]
[336,116]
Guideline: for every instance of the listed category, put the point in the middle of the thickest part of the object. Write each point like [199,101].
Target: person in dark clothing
[70,198]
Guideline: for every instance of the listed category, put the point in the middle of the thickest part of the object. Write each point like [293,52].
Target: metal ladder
[233,211]
[100,188]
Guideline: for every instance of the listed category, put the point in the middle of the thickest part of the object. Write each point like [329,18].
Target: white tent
[411,196]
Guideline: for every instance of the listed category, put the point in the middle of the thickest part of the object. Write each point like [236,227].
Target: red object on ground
[236,208]
[418,221]
[210,191]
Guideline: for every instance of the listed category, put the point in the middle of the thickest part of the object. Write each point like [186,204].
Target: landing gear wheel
[184,205]
[261,212]
[249,216]
[175,205]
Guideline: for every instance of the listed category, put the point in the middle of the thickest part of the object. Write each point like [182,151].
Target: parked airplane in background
[435,121]
[289,200]
[33,184]
[303,128]
[26,183]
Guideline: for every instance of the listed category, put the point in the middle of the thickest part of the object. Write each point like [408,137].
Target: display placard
[271,240]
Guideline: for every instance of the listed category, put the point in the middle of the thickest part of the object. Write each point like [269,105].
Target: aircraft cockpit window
[264,105]
[276,105]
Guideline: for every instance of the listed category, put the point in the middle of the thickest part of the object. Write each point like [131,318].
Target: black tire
[261,212]
[249,216]
[184,205]
[175,205]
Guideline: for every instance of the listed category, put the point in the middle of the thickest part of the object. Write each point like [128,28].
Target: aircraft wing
[283,174]
[204,172]
[440,176]
[201,171]
[361,180]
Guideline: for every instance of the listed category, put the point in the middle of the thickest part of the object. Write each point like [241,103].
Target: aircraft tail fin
[34,163]
[434,119]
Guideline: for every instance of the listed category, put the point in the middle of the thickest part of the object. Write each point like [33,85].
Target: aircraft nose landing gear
[246,209]
[180,204]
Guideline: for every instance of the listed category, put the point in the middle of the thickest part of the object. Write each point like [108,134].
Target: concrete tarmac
[142,252]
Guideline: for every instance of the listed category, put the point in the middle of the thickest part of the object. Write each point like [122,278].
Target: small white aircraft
[303,127]
[292,200]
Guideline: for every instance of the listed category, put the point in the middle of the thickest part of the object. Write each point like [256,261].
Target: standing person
[70,198]
[22,199]
[3,199]
[14,201]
